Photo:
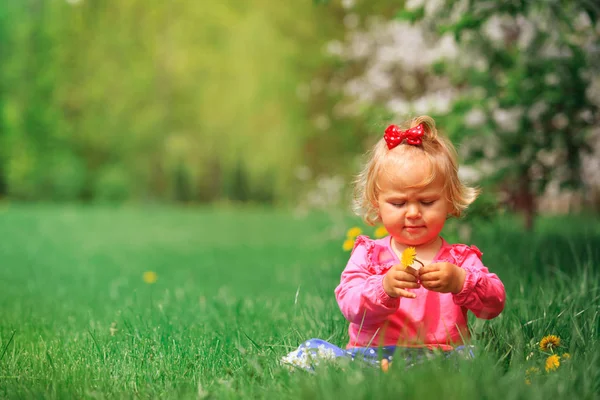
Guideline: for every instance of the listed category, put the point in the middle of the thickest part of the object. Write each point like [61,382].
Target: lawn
[237,289]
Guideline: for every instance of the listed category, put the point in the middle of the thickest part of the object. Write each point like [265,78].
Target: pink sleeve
[483,292]
[360,293]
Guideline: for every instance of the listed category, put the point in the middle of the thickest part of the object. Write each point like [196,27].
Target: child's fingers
[406,270]
[405,284]
[429,276]
[428,268]
[432,285]
[405,293]
[405,275]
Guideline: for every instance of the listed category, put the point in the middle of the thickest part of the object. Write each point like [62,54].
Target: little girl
[410,184]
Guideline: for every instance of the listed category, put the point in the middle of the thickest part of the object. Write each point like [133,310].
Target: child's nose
[413,211]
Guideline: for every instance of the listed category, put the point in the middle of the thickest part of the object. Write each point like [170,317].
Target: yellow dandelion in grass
[566,356]
[529,372]
[385,365]
[380,232]
[150,277]
[550,342]
[353,232]
[113,329]
[552,363]
[348,244]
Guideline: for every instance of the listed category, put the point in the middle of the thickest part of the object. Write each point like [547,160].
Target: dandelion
[566,356]
[549,342]
[380,232]
[409,256]
[113,329]
[552,363]
[353,232]
[532,371]
[529,372]
[348,244]
[150,277]
[385,365]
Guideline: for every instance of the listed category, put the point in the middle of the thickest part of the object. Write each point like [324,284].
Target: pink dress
[431,319]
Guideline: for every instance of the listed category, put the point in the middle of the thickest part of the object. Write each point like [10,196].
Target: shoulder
[458,253]
[365,241]
[374,253]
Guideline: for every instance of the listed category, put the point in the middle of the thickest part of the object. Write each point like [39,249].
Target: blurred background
[265,102]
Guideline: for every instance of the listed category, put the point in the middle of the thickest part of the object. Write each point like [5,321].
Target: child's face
[414,216]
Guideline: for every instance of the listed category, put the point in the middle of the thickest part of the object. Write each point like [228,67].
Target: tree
[515,82]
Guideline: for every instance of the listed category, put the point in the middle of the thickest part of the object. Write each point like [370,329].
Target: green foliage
[164,94]
[236,290]
[525,77]
[112,185]
[411,15]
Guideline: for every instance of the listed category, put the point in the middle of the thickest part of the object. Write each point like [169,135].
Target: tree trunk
[526,202]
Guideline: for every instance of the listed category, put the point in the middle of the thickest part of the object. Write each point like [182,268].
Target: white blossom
[493,29]
[508,119]
[468,173]
[536,110]
[560,121]
[322,122]
[582,22]
[527,32]
[551,79]
[398,106]
[347,4]
[414,4]
[334,48]
[593,91]
[475,117]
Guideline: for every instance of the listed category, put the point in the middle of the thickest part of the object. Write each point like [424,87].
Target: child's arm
[482,292]
[361,295]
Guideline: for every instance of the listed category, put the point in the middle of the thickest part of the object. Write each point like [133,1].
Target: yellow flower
[529,372]
[566,356]
[408,256]
[380,232]
[549,342]
[552,362]
[150,277]
[385,365]
[353,232]
[113,329]
[348,244]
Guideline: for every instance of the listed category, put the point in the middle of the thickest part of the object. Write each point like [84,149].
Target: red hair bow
[394,135]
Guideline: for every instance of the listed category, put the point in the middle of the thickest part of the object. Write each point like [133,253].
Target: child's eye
[428,203]
[400,204]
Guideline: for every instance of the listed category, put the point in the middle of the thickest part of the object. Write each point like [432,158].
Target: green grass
[238,289]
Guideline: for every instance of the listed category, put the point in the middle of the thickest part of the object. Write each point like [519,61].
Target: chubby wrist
[461,276]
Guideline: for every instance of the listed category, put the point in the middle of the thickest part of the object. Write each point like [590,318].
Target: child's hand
[397,279]
[442,277]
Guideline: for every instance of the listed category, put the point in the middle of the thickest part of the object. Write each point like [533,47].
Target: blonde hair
[442,157]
